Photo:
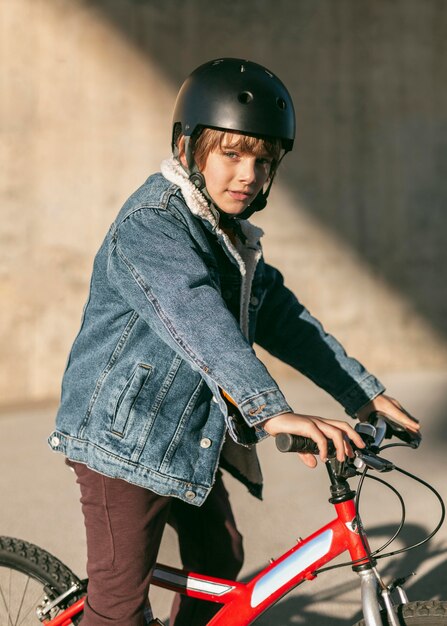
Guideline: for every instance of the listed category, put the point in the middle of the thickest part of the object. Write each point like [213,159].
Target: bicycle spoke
[9,594]
[7,602]
[21,600]
[30,578]
[19,596]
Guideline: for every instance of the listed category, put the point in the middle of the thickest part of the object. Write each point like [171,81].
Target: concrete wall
[357,218]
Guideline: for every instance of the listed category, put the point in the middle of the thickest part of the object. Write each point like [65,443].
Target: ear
[181,151]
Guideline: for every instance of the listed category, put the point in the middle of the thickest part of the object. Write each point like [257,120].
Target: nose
[247,170]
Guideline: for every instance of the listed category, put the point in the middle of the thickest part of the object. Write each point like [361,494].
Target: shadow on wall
[368,81]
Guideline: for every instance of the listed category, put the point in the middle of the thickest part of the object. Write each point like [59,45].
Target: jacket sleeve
[156,266]
[287,330]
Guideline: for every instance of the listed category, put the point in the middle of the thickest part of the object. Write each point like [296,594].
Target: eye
[264,160]
[231,154]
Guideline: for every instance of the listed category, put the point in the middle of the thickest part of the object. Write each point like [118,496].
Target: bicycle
[52,594]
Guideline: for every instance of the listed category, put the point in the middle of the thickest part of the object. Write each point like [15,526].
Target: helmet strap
[198,180]
[195,175]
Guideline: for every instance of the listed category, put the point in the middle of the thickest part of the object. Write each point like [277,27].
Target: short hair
[210,139]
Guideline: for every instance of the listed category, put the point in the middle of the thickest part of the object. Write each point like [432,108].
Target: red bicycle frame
[244,602]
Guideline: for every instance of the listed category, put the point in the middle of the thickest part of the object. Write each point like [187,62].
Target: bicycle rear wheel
[30,577]
[422,613]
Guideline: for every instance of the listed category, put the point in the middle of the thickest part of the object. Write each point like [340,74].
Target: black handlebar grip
[297,443]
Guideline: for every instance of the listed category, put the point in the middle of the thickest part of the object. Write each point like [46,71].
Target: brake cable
[376,554]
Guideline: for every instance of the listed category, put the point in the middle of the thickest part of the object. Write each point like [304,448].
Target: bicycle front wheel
[422,613]
[30,577]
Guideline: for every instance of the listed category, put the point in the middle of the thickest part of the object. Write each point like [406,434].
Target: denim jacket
[173,310]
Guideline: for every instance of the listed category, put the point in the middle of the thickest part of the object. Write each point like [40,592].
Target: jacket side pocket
[128,397]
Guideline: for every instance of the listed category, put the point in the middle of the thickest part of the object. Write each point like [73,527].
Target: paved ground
[39,503]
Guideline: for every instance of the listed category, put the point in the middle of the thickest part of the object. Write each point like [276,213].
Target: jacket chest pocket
[129,396]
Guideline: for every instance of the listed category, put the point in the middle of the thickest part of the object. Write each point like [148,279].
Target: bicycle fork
[376,596]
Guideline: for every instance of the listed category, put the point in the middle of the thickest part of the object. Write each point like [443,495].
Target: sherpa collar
[199,206]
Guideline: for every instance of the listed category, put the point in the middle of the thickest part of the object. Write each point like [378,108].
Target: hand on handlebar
[319,430]
[393,411]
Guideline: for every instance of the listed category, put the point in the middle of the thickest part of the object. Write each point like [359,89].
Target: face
[233,177]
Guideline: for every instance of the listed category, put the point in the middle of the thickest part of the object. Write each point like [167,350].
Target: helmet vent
[245,97]
[281,104]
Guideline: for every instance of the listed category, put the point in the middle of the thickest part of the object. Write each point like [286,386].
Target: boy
[162,385]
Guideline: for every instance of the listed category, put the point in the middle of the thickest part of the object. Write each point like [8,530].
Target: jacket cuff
[263,406]
[361,393]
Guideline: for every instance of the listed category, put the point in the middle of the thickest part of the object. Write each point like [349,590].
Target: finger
[332,431]
[348,448]
[350,433]
[401,416]
[410,424]
[317,434]
[308,459]
[339,443]
[322,444]
[344,433]
[342,447]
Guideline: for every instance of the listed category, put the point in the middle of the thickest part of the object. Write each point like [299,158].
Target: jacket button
[55,441]
[227,294]
[254,301]
[205,442]
[190,495]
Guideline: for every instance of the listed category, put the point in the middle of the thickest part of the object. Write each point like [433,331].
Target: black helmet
[235,95]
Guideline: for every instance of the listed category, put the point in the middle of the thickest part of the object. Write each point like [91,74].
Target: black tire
[422,613]
[28,576]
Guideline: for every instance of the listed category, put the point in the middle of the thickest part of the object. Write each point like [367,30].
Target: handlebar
[373,432]
[377,428]
[296,443]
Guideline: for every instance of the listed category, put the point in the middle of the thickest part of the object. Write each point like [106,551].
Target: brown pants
[124,525]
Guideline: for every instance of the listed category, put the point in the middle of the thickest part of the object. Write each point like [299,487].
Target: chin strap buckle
[198,180]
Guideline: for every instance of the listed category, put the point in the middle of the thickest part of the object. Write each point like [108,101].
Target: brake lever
[363,458]
[372,461]
[394,429]
[379,426]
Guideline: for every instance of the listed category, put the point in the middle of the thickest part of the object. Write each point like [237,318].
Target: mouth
[241,196]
